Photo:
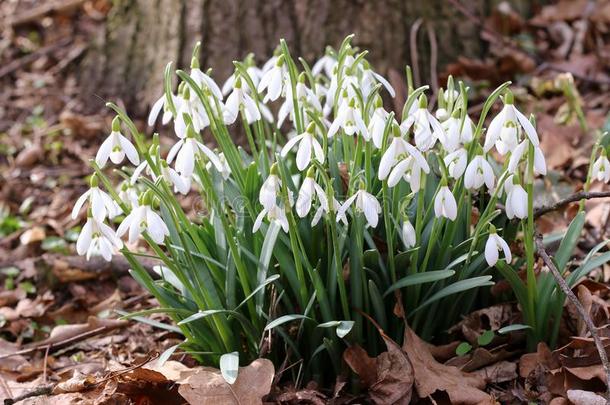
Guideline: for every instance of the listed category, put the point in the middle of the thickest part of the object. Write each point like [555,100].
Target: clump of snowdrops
[339,208]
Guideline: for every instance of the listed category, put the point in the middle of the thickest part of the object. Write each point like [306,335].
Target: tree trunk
[127,60]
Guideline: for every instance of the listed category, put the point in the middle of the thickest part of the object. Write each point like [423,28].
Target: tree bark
[127,59]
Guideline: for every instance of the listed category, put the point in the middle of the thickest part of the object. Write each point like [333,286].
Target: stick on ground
[579,308]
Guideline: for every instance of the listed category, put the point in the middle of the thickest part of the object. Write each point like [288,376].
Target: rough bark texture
[141,36]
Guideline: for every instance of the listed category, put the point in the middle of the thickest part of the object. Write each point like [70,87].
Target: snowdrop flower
[193,108]
[326,63]
[305,96]
[160,104]
[273,80]
[308,191]
[350,119]
[427,129]
[203,80]
[115,147]
[399,149]
[445,204]
[128,194]
[370,78]
[308,146]
[186,150]
[142,219]
[97,239]
[240,98]
[451,138]
[225,169]
[479,172]
[270,189]
[493,246]
[366,203]
[503,128]
[601,168]
[182,184]
[377,124]
[408,169]
[324,208]
[101,204]
[516,199]
[467,133]
[253,72]
[408,233]
[441,114]
[275,214]
[456,162]
[520,151]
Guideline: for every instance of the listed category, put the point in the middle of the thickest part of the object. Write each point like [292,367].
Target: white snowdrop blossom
[143,219]
[186,150]
[479,172]
[305,96]
[276,214]
[516,200]
[520,151]
[427,129]
[270,190]
[492,247]
[182,184]
[308,191]
[116,147]
[408,234]
[237,99]
[377,125]
[450,138]
[445,204]
[365,203]
[325,64]
[308,147]
[97,239]
[350,120]
[101,204]
[273,81]
[503,129]
[456,163]
[225,169]
[398,150]
[409,170]
[205,81]
[601,168]
[253,72]
[128,194]
[371,78]
[160,104]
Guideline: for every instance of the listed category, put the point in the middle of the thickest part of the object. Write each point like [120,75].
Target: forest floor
[60,338]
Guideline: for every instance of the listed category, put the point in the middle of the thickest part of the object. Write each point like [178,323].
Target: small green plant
[331,214]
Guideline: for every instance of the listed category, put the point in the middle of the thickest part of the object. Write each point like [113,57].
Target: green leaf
[419,278]
[229,366]
[485,338]
[265,257]
[166,355]
[268,281]
[513,328]
[283,319]
[457,287]
[463,348]
[569,242]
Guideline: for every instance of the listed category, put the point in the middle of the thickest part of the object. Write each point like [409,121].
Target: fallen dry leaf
[208,387]
[431,376]
[61,333]
[580,397]
[388,377]
[77,383]
[35,234]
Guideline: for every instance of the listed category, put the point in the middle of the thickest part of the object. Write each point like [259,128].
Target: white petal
[529,129]
[491,251]
[155,110]
[539,162]
[259,220]
[84,238]
[290,144]
[104,152]
[79,203]
[130,150]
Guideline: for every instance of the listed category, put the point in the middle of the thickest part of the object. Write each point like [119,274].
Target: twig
[433,58]
[583,195]
[579,308]
[42,390]
[36,13]
[413,49]
[63,343]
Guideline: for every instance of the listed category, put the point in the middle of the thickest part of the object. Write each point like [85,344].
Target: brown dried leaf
[431,376]
[388,377]
[208,387]
[77,383]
